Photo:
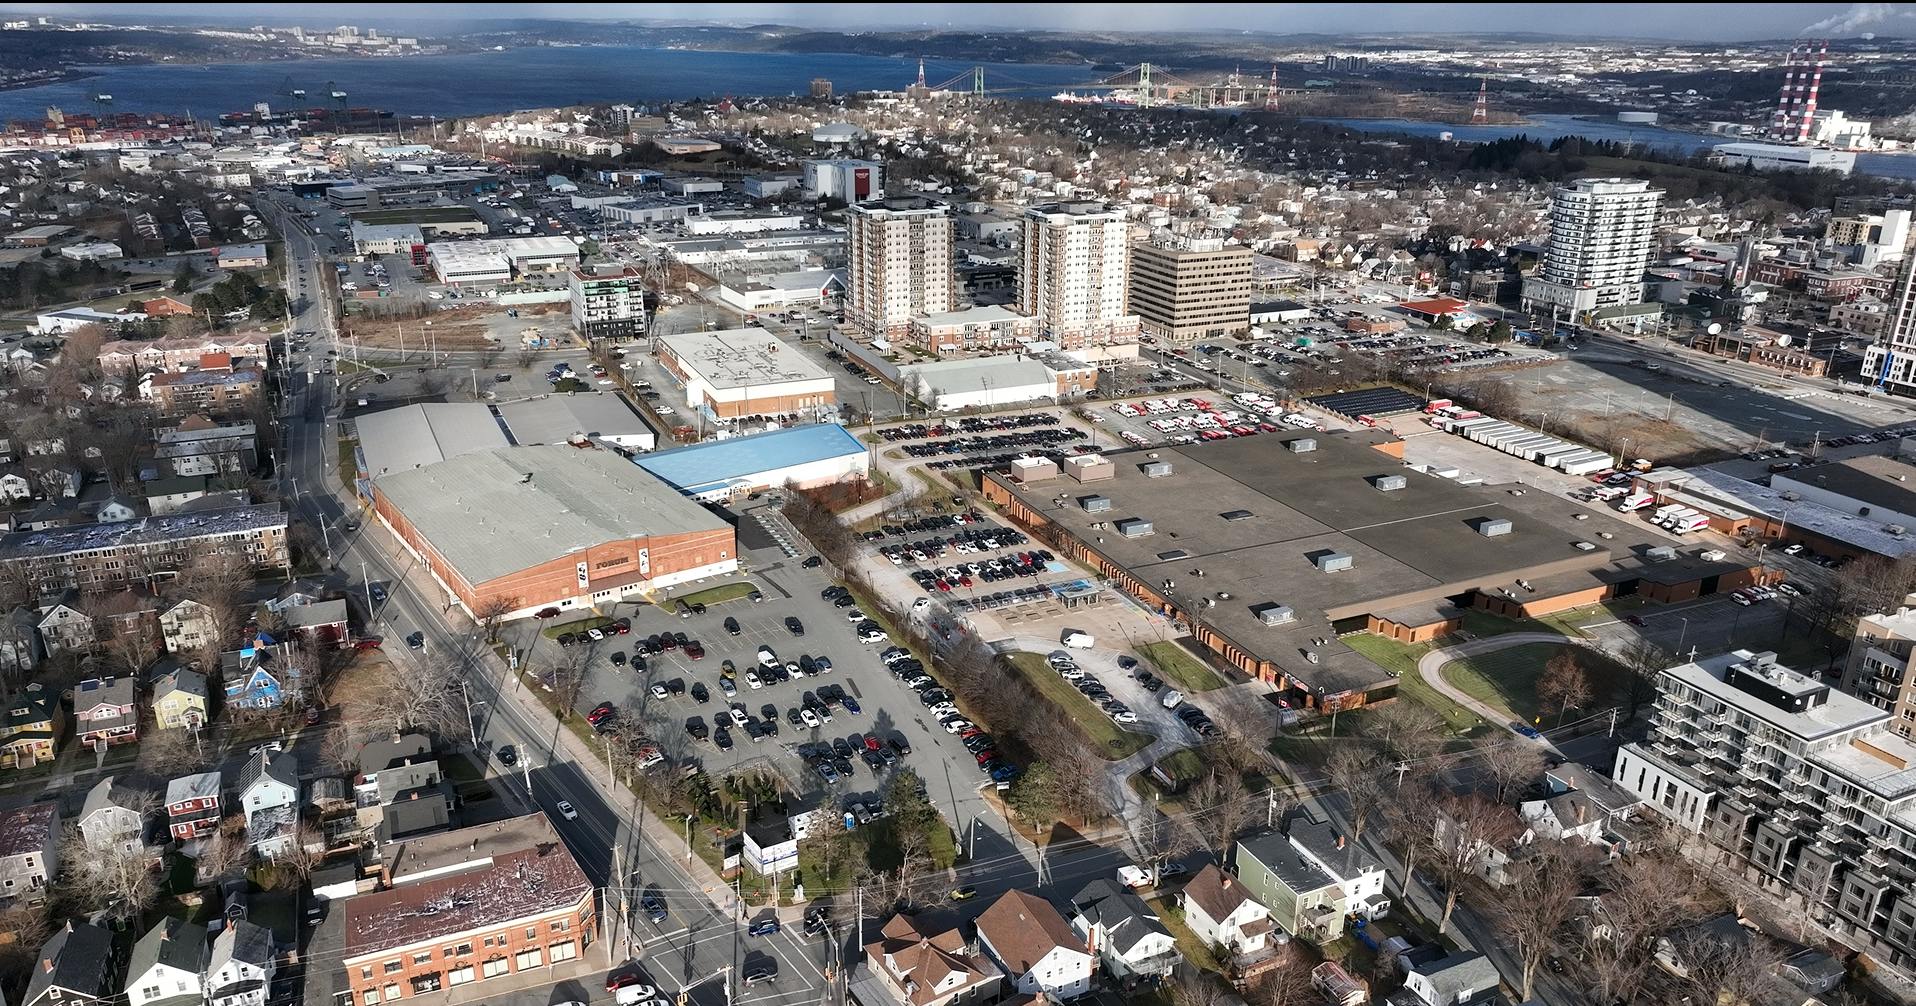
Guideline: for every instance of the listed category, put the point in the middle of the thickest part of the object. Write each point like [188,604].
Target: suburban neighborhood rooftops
[429,855]
[1216,892]
[198,786]
[78,958]
[1022,928]
[1280,857]
[27,830]
[173,942]
[496,512]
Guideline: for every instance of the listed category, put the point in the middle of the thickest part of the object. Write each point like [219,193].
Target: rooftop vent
[1237,515]
[1334,562]
[1660,553]
[1302,445]
[1156,469]
[1176,553]
[1134,527]
[1275,614]
[1493,527]
[1387,483]
[1095,504]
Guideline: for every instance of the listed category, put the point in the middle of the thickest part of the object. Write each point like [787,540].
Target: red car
[871,743]
[695,650]
[369,643]
[546,613]
[600,713]
[624,625]
[613,983]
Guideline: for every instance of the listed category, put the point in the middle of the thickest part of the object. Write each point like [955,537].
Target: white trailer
[1586,463]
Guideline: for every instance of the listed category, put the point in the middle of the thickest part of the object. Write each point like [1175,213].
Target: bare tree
[1466,827]
[1355,773]
[428,698]
[1192,987]
[1564,684]
[1510,764]
[1289,985]
[1725,969]
[217,579]
[1643,660]
[1649,893]
[491,611]
[307,851]
[23,930]
[118,881]
[164,754]
[1410,730]
[1411,815]
[226,852]
[1533,912]
[1219,810]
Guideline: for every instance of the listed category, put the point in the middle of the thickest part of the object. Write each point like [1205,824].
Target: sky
[1673,21]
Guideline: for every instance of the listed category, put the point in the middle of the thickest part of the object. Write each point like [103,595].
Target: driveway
[1431,664]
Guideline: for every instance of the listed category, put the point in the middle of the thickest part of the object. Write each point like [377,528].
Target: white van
[1078,640]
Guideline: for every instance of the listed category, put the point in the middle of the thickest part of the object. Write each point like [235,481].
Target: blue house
[260,675]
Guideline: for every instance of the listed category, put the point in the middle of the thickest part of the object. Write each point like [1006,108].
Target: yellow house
[179,700]
[30,726]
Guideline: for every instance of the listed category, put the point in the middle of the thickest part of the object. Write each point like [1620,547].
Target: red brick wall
[368,972]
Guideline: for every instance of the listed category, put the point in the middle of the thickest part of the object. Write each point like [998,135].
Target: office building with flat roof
[743,373]
[609,305]
[1199,290]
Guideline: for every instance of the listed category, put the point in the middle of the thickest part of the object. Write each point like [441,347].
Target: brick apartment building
[215,392]
[94,557]
[505,901]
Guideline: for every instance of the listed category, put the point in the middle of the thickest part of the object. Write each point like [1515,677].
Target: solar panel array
[1379,402]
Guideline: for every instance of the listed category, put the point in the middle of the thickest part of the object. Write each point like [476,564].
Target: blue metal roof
[702,465]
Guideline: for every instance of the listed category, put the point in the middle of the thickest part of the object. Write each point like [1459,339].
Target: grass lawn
[1105,736]
[1508,678]
[1194,950]
[720,594]
[1177,663]
[348,465]
[575,627]
[1401,660]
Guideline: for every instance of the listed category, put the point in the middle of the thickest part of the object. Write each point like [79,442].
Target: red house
[193,805]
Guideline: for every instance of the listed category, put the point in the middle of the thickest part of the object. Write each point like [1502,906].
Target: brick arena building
[550,527]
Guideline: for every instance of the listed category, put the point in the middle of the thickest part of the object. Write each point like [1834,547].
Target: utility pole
[622,919]
[1613,722]
[368,584]
[1403,768]
[471,730]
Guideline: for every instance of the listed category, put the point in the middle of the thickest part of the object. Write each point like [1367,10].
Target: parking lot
[886,709]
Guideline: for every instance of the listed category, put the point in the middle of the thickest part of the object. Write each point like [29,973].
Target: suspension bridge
[1141,85]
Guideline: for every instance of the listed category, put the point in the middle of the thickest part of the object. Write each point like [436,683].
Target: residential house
[65,627]
[30,728]
[260,675]
[269,797]
[1679,950]
[296,593]
[179,700]
[29,851]
[193,806]
[320,625]
[106,712]
[199,446]
[239,970]
[1455,979]
[57,479]
[400,790]
[1035,947]
[15,486]
[1360,874]
[1303,899]
[167,965]
[112,509]
[922,961]
[19,644]
[112,819]
[1579,803]
[1221,913]
[188,627]
[1812,970]
[76,967]
[130,613]
[1124,933]
[170,495]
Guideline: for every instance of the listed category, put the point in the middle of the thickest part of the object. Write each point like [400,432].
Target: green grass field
[1508,679]
[720,594]
[1177,664]
[1106,737]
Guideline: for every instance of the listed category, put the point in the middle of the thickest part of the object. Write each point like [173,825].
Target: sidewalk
[1430,667]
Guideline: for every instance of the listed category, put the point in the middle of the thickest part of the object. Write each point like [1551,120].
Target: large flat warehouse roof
[742,358]
[491,513]
[1238,526]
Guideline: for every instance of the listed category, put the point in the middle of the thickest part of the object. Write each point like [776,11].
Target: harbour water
[477,83]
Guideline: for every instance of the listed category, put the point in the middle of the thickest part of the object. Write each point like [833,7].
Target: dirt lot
[463,328]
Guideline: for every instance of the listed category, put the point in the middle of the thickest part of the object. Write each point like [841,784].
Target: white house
[165,966]
[1221,913]
[64,628]
[240,970]
[1360,874]
[188,627]
[1033,944]
[14,486]
[110,818]
[29,851]
[1451,979]
[269,798]
[1124,932]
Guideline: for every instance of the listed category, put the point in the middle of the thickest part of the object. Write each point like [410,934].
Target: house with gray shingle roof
[111,817]
[29,852]
[239,971]
[166,966]
[75,967]
[1124,932]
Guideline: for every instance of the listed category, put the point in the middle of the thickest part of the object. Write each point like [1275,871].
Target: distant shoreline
[65,77]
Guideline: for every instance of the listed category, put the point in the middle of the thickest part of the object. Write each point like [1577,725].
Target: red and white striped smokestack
[1780,120]
[1806,109]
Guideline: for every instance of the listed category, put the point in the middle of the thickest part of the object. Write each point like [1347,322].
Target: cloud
[1857,16]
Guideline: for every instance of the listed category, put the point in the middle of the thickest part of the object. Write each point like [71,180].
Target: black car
[696,729]
[679,639]
[833,592]
[722,737]
[418,639]
[900,744]
[618,659]
[794,626]
[508,756]
[652,644]
[844,601]
[698,608]
[731,625]
[841,748]
[699,692]
[812,562]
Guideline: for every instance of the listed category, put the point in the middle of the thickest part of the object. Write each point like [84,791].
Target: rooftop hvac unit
[1493,527]
[1275,614]
[1095,504]
[1156,469]
[1660,553]
[1134,527]
[1334,562]
[1388,483]
[1302,445]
